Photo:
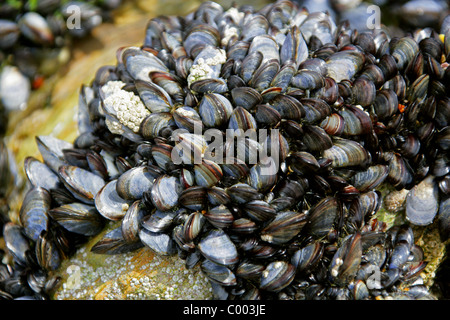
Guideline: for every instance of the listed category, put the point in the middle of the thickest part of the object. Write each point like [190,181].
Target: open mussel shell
[277,276]
[217,247]
[78,218]
[422,202]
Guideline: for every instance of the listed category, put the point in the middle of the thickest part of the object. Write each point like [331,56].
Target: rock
[139,275]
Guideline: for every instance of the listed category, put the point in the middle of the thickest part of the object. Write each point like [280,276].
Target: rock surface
[140,275]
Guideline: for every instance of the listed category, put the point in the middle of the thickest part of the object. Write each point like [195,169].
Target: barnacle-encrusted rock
[140,275]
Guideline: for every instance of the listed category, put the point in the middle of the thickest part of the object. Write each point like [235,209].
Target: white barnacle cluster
[128,107]
[229,29]
[202,68]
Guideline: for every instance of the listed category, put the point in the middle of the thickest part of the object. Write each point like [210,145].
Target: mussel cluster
[347,112]
[34,37]
[400,14]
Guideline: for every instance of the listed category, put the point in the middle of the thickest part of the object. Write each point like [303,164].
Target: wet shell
[259,211]
[187,118]
[114,243]
[159,221]
[165,192]
[217,247]
[131,222]
[346,153]
[109,204]
[34,212]
[322,217]
[160,243]
[132,184]
[215,110]
[308,257]
[246,97]
[78,218]
[194,198]
[277,276]
[40,175]
[422,202]
[284,227]
[219,217]
[218,273]
[403,51]
[208,173]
